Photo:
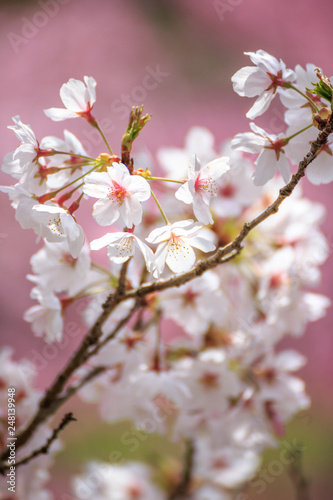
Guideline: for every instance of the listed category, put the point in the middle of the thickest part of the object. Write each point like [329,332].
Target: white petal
[181,256]
[106,211]
[147,254]
[105,240]
[131,211]
[260,106]
[202,244]
[160,258]
[184,194]
[139,186]
[72,95]
[59,114]
[97,184]
[266,166]
[239,79]
[201,210]
[284,167]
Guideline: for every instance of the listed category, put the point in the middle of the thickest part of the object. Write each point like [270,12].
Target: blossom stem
[54,152]
[164,179]
[83,293]
[75,180]
[79,165]
[287,139]
[160,208]
[291,86]
[97,126]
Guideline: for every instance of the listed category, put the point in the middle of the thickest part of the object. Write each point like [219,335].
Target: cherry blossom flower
[120,195]
[58,270]
[271,153]
[196,305]
[46,318]
[264,79]
[235,189]
[201,186]
[320,170]
[175,246]
[121,246]
[226,467]
[78,99]
[69,144]
[300,111]
[21,163]
[174,161]
[57,224]
[114,482]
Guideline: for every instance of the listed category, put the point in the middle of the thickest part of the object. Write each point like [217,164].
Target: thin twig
[43,450]
[50,402]
[297,476]
[182,490]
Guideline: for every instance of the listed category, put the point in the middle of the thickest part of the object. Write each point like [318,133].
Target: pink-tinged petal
[122,250]
[147,253]
[266,166]
[257,83]
[174,161]
[131,211]
[160,258]
[320,171]
[260,106]
[73,95]
[265,61]
[138,186]
[284,167]
[201,210]
[202,244]
[75,244]
[181,256]
[118,173]
[289,361]
[193,167]
[200,141]
[59,114]
[240,77]
[214,169]
[106,211]
[91,89]
[159,234]
[105,240]
[97,184]
[249,142]
[184,194]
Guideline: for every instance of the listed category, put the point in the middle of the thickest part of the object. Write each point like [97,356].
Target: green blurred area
[91,439]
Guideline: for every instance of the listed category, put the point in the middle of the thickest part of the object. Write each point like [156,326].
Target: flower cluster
[219,382]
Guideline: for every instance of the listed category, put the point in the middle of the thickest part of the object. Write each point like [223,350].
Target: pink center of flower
[210,380]
[205,185]
[227,191]
[68,259]
[277,81]
[117,192]
[277,146]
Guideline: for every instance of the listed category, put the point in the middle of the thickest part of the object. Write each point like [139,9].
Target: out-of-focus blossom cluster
[218,381]
[31,479]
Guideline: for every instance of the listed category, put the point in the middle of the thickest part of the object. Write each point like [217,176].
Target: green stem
[291,86]
[79,165]
[164,179]
[160,208]
[96,125]
[82,293]
[72,154]
[287,139]
[78,178]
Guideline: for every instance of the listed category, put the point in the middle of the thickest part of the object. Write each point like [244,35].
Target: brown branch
[43,450]
[297,476]
[51,401]
[182,489]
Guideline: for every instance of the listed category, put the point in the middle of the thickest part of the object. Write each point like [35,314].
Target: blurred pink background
[195,46]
